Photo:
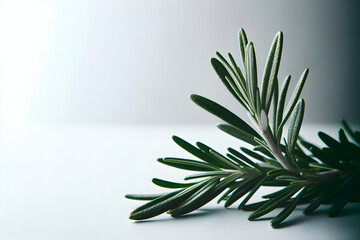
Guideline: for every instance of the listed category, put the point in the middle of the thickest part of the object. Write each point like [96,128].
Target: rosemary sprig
[328,175]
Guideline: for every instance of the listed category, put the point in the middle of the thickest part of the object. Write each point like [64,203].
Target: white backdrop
[137,61]
[114,62]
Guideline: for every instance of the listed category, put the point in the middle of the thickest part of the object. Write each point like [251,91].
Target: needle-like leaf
[350,131]
[238,133]
[318,201]
[253,154]
[272,204]
[223,114]
[199,199]
[225,77]
[237,69]
[196,152]
[271,71]
[241,190]
[251,70]
[242,44]
[295,125]
[168,184]
[281,106]
[252,192]
[187,164]
[295,97]
[287,210]
[207,174]
[143,197]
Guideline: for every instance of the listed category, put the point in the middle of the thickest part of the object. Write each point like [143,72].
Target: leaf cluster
[305,173]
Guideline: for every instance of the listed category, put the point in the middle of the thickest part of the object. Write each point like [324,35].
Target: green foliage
[308,174]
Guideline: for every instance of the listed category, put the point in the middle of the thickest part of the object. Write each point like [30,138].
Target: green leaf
[242,44]
[144,197]
[318,165]
[223,114]
[238,93]
[165,203]
[257,102]
[240,74]
[302,158]
[281,105]
[241,190]
[195,151]
[253,154]
[223,185]
[335,209]
[273,162]
[323,157]
[226,182]
[263,148]
[295,125]
[295,97]
[207,174]
[289,178]
[272,204]
[168,184]
[271,71]
[237,160]
[276,172]
[279,192]
[237,133]
[225,77]
[318,201]
[241,157]
[225,196]
[215,160]
[332,143]
[275,100]
[348,129]
[195,201]
[251,70]
[252,192]
[226,63]
[342,137]
[155,207]
[287,210]
[349,188]
[228,162]
[187,164]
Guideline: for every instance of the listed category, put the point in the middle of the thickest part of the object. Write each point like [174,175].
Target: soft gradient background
[92,90]
[137,61]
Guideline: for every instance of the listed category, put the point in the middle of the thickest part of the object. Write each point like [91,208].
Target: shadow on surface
[291,221]
[297,218]
[351,211]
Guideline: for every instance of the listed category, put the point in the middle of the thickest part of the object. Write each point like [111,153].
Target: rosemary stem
[277,152]
[273,146]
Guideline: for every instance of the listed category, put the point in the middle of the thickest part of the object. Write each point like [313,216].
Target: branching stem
[277,152]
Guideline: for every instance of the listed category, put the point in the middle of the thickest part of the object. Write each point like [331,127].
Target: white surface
[70,182]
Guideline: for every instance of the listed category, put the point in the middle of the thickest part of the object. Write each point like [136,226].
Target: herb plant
[307,174]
